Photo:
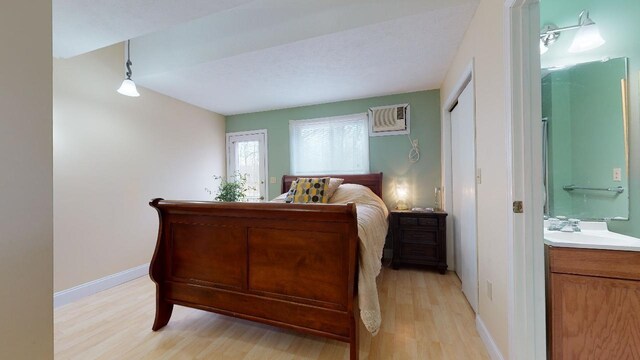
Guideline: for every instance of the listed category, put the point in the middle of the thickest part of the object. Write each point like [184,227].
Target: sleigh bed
[288,265]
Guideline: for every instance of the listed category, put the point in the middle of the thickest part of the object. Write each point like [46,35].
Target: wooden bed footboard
[288,265]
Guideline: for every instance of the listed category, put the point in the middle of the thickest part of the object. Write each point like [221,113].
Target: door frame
[266,154]
[467,78]
[525,245]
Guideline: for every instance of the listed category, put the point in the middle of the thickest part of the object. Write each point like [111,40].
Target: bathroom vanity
[592,274]
[593,294]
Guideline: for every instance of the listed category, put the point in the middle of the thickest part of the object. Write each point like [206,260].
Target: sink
[594,235]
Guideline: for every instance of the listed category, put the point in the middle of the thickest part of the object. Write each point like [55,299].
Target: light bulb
[401,192]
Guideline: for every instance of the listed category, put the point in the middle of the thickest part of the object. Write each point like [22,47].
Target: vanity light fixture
[587,37]
[128,87]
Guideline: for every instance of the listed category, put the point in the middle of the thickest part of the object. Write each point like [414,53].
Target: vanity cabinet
[593,299]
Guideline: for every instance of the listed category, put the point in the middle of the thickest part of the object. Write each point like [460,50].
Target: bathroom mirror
[584,110]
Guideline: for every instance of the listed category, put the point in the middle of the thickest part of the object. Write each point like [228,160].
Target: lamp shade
[401,195]
[588,37]
[543,48]
[128,88]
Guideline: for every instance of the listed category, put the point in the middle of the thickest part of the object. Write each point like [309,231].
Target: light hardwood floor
[425,316]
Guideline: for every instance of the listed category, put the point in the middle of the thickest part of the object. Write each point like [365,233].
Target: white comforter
[372,231]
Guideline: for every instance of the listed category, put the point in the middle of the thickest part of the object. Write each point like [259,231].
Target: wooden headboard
[372,181]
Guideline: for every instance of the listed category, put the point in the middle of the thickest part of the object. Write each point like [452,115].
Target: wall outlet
[617,174]
[490,290]
[272,180]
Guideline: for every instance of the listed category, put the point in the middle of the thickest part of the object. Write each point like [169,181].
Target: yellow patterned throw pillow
[308,190]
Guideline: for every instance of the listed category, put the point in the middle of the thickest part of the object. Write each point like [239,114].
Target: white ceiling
[81,26]
[252,55]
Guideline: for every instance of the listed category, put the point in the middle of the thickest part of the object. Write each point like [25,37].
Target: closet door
[463,168]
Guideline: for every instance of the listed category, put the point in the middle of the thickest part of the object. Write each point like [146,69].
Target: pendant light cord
[129,63]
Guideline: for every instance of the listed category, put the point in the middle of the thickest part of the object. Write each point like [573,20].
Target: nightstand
[419,238]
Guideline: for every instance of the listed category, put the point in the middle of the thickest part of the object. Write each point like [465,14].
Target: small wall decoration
[389,120]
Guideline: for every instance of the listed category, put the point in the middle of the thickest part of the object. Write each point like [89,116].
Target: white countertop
[593,235]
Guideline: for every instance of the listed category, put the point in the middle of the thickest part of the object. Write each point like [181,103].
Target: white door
[463,172]
[247,155]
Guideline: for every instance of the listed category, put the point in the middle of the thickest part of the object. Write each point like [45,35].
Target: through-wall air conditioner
[389,120]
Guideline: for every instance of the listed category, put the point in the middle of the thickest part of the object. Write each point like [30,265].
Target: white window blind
[336,145]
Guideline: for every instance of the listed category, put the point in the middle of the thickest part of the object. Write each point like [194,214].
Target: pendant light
[128,87]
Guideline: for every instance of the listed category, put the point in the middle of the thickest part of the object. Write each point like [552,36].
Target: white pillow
[334,183]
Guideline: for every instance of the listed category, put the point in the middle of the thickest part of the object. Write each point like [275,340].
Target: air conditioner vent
[389,120]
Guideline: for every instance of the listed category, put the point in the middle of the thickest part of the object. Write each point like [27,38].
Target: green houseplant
[232,189]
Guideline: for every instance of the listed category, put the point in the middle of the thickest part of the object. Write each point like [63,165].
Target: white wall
[112,154]
[484,41]
[26,210]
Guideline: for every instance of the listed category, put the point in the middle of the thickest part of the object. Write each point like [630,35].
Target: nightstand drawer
[412,251]
[428,222]
[418,221]
[420,237]
[408,221]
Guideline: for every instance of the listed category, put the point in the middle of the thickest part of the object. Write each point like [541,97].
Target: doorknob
[261,197]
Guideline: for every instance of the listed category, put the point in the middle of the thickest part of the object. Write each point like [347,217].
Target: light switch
[478,176]
[489,290]
[272,180]
[617,174]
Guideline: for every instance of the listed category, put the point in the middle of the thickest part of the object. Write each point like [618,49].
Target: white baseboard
[65,297]
[487,339]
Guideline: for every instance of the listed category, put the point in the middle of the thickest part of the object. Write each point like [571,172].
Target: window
[337,145]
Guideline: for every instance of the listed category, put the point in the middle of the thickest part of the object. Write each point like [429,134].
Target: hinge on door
[518,207]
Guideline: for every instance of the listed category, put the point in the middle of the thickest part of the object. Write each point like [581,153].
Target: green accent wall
[387,154]
[619,26]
